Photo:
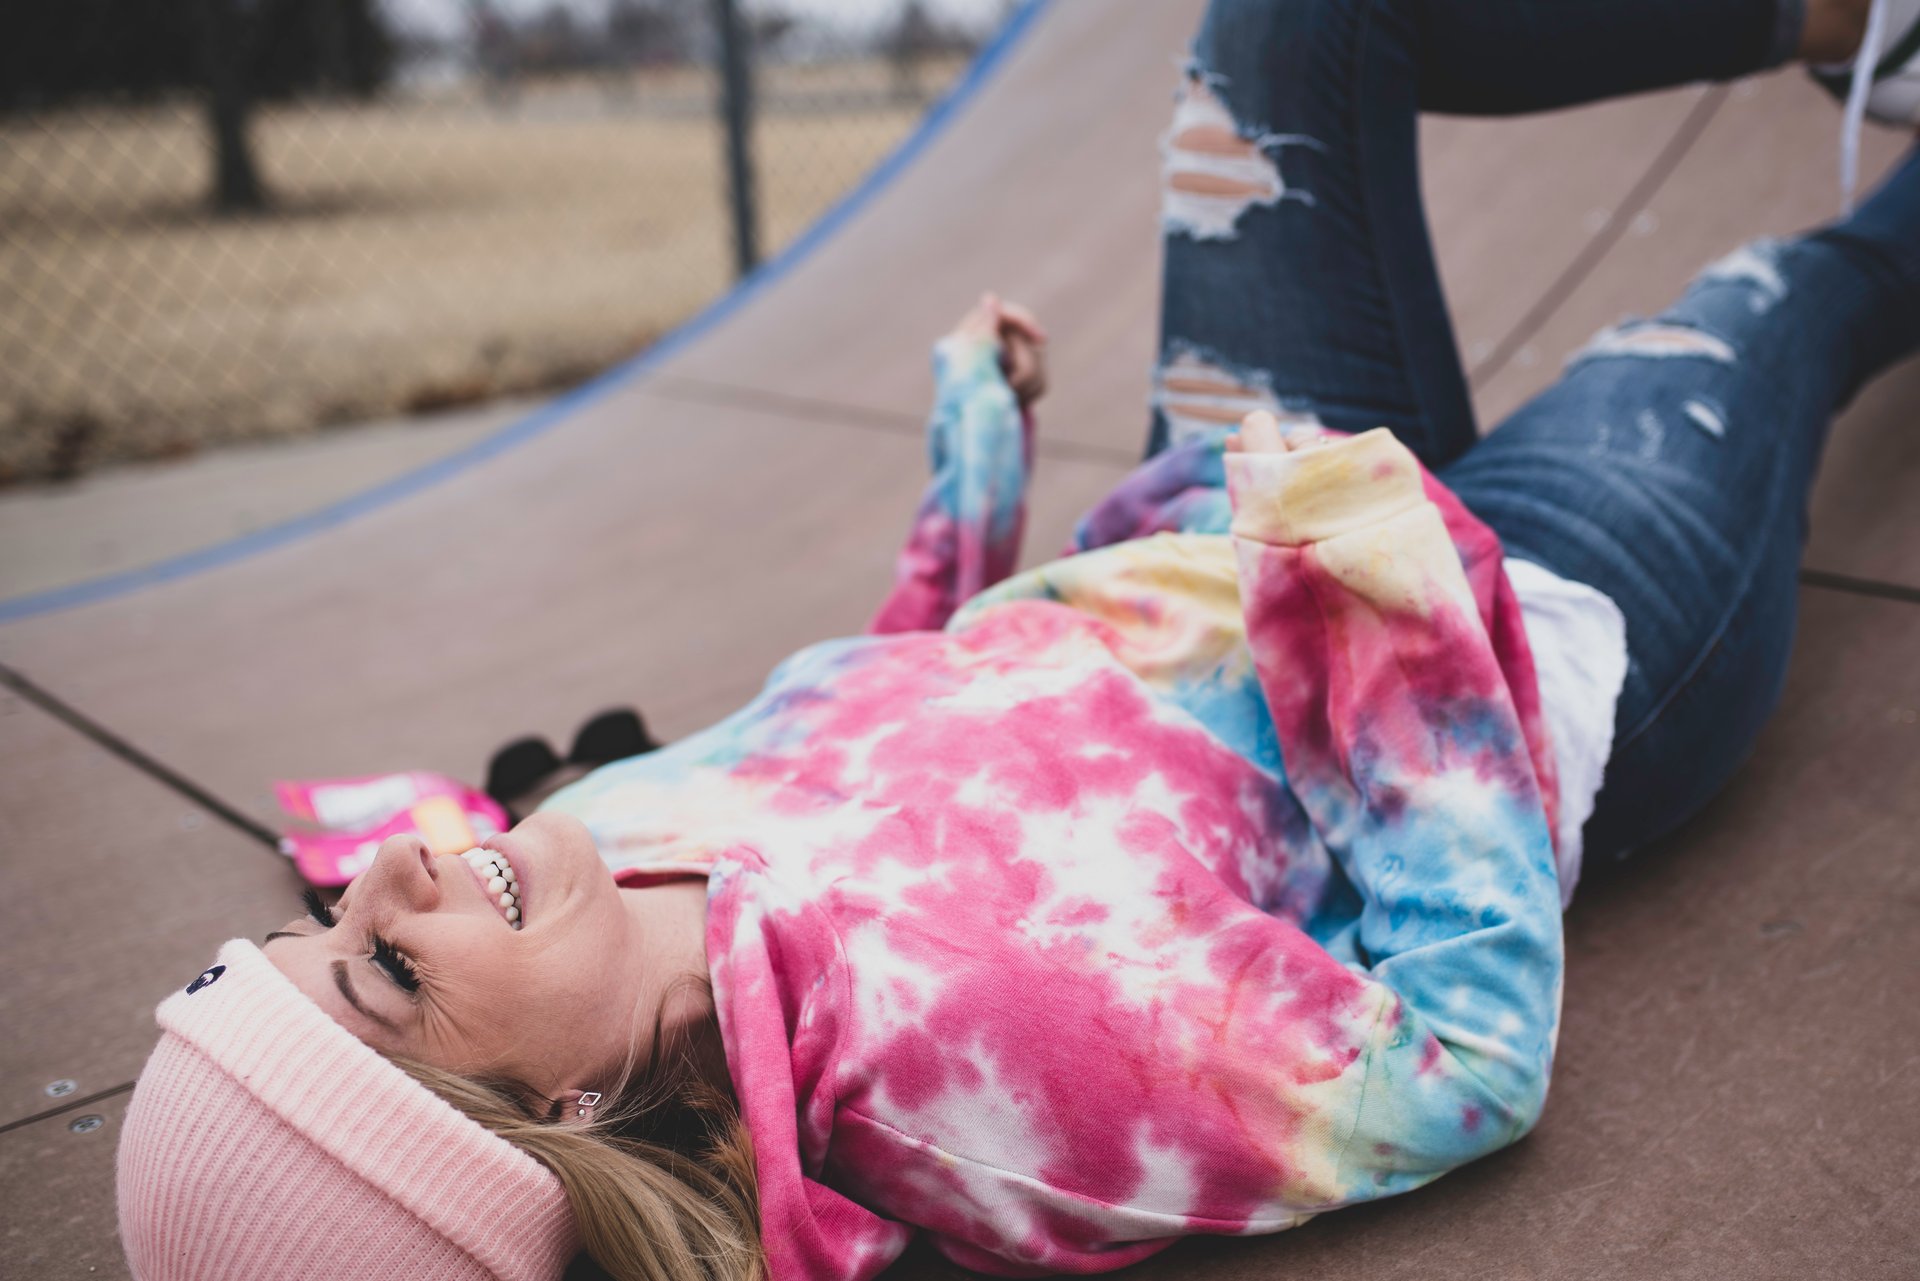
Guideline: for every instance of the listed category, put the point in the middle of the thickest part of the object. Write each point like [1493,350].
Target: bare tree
[223,47]
[913,37]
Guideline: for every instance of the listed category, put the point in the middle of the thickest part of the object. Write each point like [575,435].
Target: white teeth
[497,874]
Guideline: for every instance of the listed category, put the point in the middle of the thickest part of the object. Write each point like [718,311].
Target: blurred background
[228,220]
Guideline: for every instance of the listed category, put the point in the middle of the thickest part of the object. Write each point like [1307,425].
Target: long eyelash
[397,966]
[317,907]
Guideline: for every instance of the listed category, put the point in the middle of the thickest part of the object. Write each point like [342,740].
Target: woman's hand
[1261,432]
[1017,336]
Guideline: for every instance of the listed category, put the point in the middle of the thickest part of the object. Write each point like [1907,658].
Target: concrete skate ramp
[1739,1077]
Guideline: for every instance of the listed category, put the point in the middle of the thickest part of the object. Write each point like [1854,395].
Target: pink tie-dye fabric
[1197,883]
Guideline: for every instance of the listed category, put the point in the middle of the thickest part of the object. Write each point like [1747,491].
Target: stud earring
[586,1104]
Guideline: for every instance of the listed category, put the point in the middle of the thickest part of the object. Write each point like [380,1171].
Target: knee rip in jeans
[1650,429]
[1757,266]
[1656,340]
[1653,433]
[1196,394]
[1213,170]
[1708,417]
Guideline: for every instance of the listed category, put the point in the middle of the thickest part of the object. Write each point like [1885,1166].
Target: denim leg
[1500,57]
[1670,468]
[1299,274]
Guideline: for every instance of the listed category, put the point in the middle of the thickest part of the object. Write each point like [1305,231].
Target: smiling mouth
[499,881]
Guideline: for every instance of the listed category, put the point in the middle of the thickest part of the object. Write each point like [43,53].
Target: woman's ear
[574,1107]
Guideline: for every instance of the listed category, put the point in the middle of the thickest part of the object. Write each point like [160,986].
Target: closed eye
[397,966]
[317,909]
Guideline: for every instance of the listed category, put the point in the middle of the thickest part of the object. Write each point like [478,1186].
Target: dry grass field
[419,253]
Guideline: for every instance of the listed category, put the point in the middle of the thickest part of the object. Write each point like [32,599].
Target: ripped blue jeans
[1670,465]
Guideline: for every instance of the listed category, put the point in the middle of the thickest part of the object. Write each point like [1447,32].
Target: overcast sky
[448,18]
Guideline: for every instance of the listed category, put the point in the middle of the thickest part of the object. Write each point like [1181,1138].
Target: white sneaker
[1882,81]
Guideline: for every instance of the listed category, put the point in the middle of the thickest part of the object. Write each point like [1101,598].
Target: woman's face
[420,960]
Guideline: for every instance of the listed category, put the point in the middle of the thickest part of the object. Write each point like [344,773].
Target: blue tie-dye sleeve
[966,535]
[1402,742]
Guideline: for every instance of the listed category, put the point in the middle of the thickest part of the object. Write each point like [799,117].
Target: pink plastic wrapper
[356,814]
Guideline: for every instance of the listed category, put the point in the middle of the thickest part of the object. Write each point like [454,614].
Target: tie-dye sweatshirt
[1193,883]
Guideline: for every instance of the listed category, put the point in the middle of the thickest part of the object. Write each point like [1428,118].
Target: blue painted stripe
[565,406]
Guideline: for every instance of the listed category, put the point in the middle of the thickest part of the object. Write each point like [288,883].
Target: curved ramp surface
[1740,1069]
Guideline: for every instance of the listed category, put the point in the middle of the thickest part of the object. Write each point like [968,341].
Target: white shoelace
[1864,64]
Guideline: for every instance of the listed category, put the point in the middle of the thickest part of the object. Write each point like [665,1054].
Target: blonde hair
[660,1180]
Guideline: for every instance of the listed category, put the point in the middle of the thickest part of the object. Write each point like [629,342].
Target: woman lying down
[1201,881]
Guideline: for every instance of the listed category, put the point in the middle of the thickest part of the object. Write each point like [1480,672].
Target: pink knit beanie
[264,1140]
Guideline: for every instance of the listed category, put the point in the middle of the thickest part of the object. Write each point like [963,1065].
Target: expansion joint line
[89,728]
[71,1105]
[1603,241]
[1859,586]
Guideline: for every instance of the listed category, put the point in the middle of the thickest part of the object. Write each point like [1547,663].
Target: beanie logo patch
[206,979]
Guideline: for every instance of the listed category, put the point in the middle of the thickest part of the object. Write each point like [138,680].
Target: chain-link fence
[228,219]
